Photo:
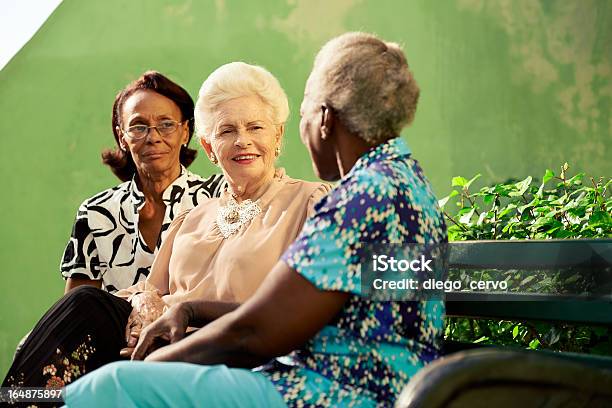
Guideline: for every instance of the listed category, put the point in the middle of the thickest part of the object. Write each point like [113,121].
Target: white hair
[367,82]
[235,80]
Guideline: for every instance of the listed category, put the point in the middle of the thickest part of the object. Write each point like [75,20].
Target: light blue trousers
[144,384]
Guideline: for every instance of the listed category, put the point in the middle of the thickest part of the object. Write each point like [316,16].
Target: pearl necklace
[232,216]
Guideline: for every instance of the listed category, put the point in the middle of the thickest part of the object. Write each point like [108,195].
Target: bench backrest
[589,257]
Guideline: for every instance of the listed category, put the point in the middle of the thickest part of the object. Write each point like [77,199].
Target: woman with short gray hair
[368,83]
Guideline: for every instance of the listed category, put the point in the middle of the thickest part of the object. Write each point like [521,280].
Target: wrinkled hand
[170,327]
[146,308]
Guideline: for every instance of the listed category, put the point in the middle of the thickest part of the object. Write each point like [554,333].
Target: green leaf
[547,176]
[506,211]
[459,181]
[577,179]
[527,280]
[503,189]
[515,331]
[572,279]
[455,233]
[488,198]
[481,218]
[554,225]
[467,184]
[562,234]
[442,202]
[522,186]
[542,222]
[465,219]
[600,218]
[509,227]
[522,208]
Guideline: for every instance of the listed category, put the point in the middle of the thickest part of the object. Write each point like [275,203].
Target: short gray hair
[235,80]
[367,82]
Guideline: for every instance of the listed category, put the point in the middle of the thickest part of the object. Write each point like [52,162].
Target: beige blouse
[197,262]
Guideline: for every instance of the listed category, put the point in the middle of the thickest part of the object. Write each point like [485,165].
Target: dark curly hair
[121,162]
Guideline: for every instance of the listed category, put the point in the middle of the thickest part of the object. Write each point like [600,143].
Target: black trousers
[84,330]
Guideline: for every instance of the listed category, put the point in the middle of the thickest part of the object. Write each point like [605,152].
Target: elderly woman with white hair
[217,253]
[350,350]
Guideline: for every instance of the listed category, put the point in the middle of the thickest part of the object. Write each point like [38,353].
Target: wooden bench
[472,375]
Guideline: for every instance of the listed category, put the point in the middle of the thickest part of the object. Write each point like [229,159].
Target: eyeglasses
[165,128]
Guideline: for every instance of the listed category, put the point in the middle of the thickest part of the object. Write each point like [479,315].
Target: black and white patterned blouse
[106,243]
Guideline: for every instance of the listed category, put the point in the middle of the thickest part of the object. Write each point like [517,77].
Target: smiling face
[244,139]
[321,149]
[155,154]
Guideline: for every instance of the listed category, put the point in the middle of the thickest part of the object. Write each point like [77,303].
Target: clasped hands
[151,323]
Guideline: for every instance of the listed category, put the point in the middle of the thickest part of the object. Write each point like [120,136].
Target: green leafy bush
[558,207]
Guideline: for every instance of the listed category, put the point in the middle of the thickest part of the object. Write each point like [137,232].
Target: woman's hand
[284,313]
[170,327]
[146,308]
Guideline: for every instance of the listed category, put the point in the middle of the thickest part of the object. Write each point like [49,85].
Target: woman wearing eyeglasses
[218,253]
[118,231]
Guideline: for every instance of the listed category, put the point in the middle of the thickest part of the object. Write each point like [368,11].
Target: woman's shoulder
[179,219]
[111,197]
[307,188]
[194,177]
[307,192]
[205,207]
[210,186]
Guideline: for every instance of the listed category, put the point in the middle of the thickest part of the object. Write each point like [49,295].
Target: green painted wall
[508,89]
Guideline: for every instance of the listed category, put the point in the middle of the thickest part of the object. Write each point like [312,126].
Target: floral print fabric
[367,354]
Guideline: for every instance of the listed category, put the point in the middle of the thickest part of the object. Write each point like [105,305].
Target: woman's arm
[282,315]
[202,312]
[80,263]
[172,325]
[159,277]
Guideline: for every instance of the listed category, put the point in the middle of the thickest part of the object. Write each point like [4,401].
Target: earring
[323,132]
[213,158]
[277,151]
[185,145]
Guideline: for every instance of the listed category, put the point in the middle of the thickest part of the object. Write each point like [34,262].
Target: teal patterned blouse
[367,354]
